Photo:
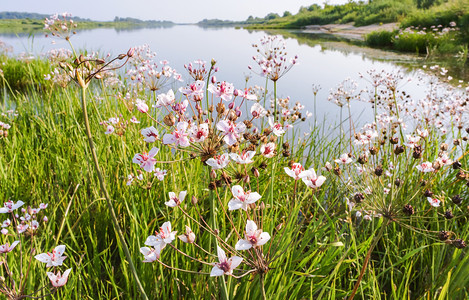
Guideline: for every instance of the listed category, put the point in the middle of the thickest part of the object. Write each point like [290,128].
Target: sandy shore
[348,30]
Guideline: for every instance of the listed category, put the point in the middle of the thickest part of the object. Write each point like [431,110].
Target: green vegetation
[322,245]
[438,30]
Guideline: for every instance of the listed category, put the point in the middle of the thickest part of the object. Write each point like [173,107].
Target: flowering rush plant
[21,229]
[235,138]
[407,165]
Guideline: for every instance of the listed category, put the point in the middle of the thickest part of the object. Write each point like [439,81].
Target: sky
[180,11]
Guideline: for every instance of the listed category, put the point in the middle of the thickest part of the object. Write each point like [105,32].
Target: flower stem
[107,197]
[367,258]
[261,278]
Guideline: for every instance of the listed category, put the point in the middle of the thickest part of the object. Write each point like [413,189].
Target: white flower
[254,237]
[242,199]
[174,200]
[54,258]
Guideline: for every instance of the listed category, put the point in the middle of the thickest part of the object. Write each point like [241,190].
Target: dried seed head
[379,171]
[456,142]
[443,235]
[408,210]
[337,171]
[456,165]
[263,165]
[358,197]
[169,120]
[444,147]
[456,199]
[394,140]
[461,175]
[286,145]
[286,153]
[459,243]
[428,193]
[449,215]
[398,182]
[362,159]
[248,124]
[221,108]
[398,150]
[373,150]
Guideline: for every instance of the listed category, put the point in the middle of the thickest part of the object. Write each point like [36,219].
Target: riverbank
[350,31]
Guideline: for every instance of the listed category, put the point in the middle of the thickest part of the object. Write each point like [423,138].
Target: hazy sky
[172,10]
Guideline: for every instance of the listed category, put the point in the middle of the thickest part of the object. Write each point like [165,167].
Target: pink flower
[247,94]
[150,134]
[199,133]
[412,141]
[254,237]
[54,258]
[165,236]
[188,236]
[218,161]
[134,120]
[160,174]
[434,201]
[444,160]
[425,167]
[7,248]
[174,200]
[165,99]
[268,150]
[146,160]
[258,111]
[297,171]
[277,128]
[343,159]
[6,223]
[242,199]
[179,136]
[225,265]
[22,228]
[109,129]
[10,206]
[223,90]
[244,158]
[194,91]
[231,130]
[150,254]
[43,206]
[141,106]
[312,180]
[59,279]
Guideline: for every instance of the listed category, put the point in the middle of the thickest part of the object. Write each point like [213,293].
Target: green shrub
[380,38]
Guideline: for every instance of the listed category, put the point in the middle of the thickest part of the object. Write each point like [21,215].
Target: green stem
[107,197]
[367,258]
[261,278]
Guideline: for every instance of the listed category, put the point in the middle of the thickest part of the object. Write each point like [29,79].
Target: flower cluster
[60,25]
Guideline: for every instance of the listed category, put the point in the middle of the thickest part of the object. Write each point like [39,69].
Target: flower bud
[188,236]
[214,79]
[247,179]
[255,172]
[194,200]
[131,52]
[213,174]
[121,56]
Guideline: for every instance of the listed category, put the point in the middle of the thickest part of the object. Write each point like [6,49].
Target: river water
[323,62]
